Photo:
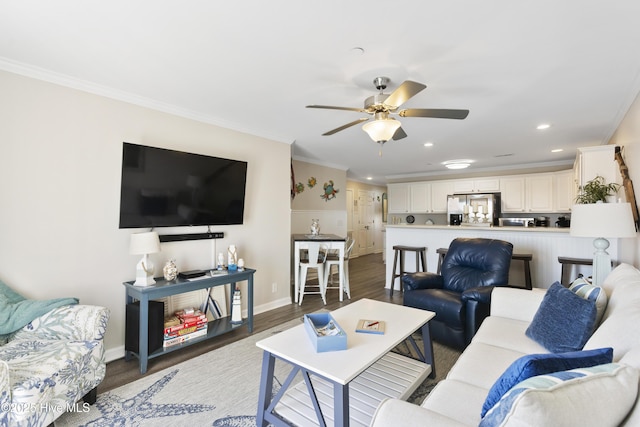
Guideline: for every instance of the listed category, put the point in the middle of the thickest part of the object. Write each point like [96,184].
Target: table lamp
[602,221]
[144,244]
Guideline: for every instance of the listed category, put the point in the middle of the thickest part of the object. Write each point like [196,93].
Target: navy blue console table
[164,288]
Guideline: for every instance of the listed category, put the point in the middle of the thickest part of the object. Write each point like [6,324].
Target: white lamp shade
[608,220]
[381,130]
[144,243]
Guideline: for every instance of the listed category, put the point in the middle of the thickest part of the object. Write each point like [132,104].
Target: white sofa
[458,399]
[50,364]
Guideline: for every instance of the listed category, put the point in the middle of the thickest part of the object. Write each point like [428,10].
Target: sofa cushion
[622,285]
[564,321]
[619,328]
[598,396]
[507,333]
[533,365]
[632,358]
[591,292]
[480,364]
[445,399]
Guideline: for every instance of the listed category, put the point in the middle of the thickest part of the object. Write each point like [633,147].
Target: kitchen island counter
[481,229]
[546,244]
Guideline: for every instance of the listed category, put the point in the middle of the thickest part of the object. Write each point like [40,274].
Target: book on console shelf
[183,326]
[186,331]
[190,315]
[184,321]
[168,342]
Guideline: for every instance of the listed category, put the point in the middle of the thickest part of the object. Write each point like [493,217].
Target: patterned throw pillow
[598,396]
[532,365]
[563,322]
[588,291]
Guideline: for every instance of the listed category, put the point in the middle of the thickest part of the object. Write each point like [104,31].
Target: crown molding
[49,76]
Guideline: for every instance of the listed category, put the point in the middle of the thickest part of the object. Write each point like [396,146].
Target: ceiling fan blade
[330,107]
[402,94]
[343,127]
[399,134]
[434,113]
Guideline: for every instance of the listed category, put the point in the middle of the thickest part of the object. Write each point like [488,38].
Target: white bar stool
[342,269]
[317,256]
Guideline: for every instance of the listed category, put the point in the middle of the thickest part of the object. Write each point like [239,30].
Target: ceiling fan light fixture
[381,130]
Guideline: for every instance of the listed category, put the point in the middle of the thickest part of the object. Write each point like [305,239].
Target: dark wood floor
[367,280]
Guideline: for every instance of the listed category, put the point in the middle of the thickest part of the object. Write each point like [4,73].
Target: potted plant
[596,190]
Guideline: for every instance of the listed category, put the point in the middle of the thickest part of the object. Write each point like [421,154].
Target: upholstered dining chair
[334,260]
[316,257]
[461,295]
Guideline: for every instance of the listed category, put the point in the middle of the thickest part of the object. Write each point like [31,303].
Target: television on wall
[168,188]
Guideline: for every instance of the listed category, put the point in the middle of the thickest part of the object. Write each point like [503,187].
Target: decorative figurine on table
[241,264]
[232,264]
[315,227]
[220,265]
[170,270]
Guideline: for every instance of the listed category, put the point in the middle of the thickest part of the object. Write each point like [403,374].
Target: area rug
[219,388]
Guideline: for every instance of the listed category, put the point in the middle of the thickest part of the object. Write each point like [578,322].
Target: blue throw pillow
[564,321]
[533,365]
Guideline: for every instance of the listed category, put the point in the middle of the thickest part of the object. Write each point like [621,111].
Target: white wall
[310,204]
[628,136]
[61,161]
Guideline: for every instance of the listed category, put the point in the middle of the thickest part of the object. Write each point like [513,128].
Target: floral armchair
[50,364]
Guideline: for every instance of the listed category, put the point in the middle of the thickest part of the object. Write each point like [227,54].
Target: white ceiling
[253,66]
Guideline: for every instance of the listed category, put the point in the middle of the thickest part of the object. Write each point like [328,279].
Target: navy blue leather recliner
[461,295]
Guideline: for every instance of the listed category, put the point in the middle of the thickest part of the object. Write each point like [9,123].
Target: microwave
[516,222]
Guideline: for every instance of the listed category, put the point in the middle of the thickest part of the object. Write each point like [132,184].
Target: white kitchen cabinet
[539,193]
[484,185]
[533,193]
[564,191]
[419,197]
[594,161]
[398,198]
[512,191]
[439,192]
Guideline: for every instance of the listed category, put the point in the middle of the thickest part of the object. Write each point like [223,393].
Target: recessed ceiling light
[428,144]
[557,150]
[457,164]
[543,126]
[369,178]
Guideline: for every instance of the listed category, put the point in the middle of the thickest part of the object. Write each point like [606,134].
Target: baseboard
[270,306]
[114,353]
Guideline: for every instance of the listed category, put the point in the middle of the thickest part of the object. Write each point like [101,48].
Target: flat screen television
[167,188]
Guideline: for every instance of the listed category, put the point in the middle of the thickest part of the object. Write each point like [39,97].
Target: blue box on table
[324,332]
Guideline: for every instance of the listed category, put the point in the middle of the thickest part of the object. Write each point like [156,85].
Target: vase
[315,227]
[170,270]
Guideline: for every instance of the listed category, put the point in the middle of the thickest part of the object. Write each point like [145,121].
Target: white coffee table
[367,366]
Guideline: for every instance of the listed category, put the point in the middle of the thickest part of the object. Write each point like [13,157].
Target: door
[366,238]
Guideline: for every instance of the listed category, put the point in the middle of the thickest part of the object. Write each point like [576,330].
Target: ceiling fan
[381,106]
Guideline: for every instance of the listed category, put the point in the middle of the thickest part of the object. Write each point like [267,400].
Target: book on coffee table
[368,326]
